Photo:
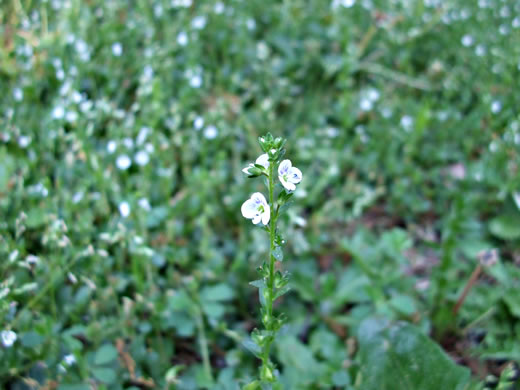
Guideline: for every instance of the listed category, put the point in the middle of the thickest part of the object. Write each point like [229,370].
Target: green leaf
[104,374]
[403,304]
[278,253]
[253,347]
[79,386]
[252,386]
[260,283]
[506,227]
[31,339]
[106,354]
[282,291]
[399,356]
[217,293]
[512,300]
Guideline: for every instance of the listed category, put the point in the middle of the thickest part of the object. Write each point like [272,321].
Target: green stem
[266,365]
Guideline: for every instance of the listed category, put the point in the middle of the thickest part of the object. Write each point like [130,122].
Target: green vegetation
[124,127]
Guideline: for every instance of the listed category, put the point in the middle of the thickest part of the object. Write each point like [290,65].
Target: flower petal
[249,209]
[263,160]
[288,185]
[266,216]
[259,199]
[295,175]
[284,167]
[257,219]
[246,169]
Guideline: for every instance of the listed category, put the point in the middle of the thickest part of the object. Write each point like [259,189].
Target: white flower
[124,209]
[182,38]
[123,162]
[263,160]
[198,22]
[289,175]
[69,359]
[117,49]
[142,158]
[8,338]
[257,209]
[210,132]
[144,204]
[195,81]
[111,146]
[198,123]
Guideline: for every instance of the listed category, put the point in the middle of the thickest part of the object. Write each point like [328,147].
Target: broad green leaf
[105,354]
[217,293]
[104,374]
[506,227]
[399,356]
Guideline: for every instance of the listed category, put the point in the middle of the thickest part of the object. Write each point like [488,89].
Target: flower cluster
[257,208]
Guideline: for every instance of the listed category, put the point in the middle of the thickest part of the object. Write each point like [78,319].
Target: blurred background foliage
[124,127]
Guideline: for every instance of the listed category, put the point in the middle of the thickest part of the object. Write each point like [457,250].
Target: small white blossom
[144,204]
[58,112]
[24,141]
[210,132]
[257,209]
[195,81]
[111,146]
[69,359]
[467,40]
[124,209]
[182,38]
[8,338]
[123,162]
[496,107]
[18,94]
[219,8]
[289,176]
[117,49]
[198,123]
[142,158]
[198,22]
[263,160]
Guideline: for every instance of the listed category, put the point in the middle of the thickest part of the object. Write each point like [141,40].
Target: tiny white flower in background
[117,49]
[60,74]
[467,40]
[219,8]
[8,338]
[195,81]
[33,260]
[263,160]
[141,137]
[257,209]
[198,22]
[407,122]
[210,132]
[18,94]
[128,142]
[71,116]
[198,123]
[182,38]
[124,209]
[289,176]
[69,359]
[142,158]
[144,204]
[365,105]
[251,24]
[123,162]
[496,107]
[58,112]
[24,141]
[111,146]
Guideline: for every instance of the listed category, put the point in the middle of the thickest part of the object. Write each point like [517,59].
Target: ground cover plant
[125,259]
